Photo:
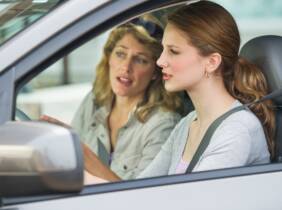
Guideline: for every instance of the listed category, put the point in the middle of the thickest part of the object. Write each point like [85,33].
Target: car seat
[266,53]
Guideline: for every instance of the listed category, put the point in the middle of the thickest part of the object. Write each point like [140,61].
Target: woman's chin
[171,87]
[121,93]
[124,93]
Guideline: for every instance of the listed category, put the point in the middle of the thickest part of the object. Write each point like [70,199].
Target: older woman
[128,115]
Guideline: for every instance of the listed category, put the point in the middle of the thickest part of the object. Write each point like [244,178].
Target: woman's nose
[126,64]
[161,62]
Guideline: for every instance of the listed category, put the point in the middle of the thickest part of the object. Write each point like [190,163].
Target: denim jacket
[137,142]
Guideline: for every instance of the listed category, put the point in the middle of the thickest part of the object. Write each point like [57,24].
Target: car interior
[266,52]
[268,60]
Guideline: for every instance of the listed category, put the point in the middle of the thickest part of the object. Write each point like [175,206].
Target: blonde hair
[211,28]
[155,95]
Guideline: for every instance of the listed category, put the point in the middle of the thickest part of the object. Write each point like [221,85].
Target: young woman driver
[200,55]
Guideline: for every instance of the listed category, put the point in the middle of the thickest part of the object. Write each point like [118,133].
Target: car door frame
[64,42]
[245,185]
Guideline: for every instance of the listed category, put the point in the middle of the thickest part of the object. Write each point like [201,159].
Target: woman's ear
[213,62]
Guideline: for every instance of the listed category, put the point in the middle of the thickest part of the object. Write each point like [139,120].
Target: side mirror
[37,158]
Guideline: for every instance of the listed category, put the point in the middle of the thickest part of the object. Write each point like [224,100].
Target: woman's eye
[120,54]
[174,52]
[139,60]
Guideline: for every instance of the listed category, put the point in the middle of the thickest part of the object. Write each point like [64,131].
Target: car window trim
[153,182]
[133,184]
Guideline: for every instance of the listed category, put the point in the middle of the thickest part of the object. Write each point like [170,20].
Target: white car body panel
[239,193]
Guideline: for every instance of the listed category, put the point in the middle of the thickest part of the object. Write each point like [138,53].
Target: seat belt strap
[207,137]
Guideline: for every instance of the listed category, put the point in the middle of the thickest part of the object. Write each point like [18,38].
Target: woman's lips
[166,76]
[125,81]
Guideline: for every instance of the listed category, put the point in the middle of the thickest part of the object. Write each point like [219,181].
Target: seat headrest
[266,53]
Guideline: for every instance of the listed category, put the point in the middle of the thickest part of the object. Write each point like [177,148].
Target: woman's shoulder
[242,125]
[242,132]
[87,106]
[244,119]
[89,100]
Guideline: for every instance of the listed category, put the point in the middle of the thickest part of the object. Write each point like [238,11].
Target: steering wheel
[21,115]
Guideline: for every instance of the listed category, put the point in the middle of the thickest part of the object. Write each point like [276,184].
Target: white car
[41,165]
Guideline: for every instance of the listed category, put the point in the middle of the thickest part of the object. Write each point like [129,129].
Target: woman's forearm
[94,166]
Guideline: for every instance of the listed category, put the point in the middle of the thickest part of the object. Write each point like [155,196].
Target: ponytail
[249,84]
[243,80]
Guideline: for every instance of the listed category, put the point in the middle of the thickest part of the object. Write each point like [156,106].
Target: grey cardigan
[238,141]
[137,143]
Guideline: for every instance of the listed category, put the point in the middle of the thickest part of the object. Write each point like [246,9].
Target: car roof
[45,28]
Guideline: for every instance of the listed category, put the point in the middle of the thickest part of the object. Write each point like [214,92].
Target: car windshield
[16,15]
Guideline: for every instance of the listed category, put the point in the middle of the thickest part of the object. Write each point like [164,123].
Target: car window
[77,69]
[16,15]
[59,89]
[255,17]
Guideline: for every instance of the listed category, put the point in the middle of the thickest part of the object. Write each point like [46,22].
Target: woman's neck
[210,102]
[124,105]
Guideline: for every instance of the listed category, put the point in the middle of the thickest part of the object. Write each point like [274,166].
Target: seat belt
[207,137]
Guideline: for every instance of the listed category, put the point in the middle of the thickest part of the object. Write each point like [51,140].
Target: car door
[256,187]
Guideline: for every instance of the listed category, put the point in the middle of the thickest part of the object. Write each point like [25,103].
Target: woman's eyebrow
[122,46]
[143,54]
[171,46]
[138,53]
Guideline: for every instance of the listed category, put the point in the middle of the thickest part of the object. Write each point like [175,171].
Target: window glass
[60,88]
[16,15]
[255,17]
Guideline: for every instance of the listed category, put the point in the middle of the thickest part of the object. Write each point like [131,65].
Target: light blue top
[238,141]
[137,143]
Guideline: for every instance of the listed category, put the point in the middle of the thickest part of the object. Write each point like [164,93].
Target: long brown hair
[155,95]
[211,28]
